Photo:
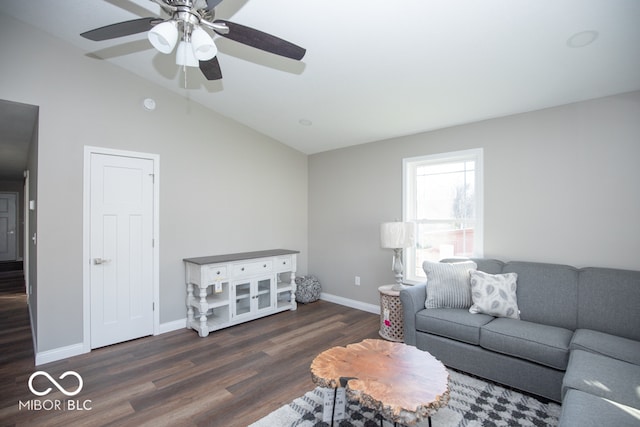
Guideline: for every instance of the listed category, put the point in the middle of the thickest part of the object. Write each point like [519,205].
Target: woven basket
[308,289]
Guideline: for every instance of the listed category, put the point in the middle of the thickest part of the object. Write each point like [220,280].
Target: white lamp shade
[164,36]
[185,56]
[397,235]
[203,47]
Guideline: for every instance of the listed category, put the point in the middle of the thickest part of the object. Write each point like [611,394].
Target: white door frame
[86,247]
[26,246]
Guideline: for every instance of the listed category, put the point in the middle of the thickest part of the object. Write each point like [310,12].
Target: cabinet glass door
[264,294]
[243,298]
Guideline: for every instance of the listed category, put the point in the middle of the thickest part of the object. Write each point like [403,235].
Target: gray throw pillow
[494,294]
[448,284]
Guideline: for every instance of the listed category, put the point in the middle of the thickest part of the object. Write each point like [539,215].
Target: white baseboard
[31,323]
[172,326]
[371,308]
[60,353]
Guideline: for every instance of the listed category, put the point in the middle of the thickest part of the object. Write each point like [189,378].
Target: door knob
[98,261]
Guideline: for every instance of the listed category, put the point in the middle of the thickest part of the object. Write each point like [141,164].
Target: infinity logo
[58,386]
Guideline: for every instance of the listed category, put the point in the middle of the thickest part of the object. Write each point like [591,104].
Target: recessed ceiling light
[149,104]
[305,122]
[582,39]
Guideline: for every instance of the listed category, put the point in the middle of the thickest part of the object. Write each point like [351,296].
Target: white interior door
[121,248]
[8,222]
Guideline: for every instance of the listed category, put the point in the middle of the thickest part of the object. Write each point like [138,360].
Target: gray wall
[223,187]
[562,185]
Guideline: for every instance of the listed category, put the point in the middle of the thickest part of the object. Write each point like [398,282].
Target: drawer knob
[242,269]
[265,265]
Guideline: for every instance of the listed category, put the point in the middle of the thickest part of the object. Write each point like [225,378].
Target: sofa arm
[412,299]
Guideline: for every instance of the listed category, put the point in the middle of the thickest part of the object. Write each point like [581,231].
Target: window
[443,196]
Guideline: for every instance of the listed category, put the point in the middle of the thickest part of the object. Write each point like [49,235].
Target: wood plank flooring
[231,378]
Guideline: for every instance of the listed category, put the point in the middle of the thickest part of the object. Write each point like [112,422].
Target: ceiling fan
[186,28]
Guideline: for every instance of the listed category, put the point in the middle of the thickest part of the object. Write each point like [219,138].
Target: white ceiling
[378,69]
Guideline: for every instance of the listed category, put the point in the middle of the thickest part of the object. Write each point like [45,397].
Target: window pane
[445,195]
[439,240]
[470,195]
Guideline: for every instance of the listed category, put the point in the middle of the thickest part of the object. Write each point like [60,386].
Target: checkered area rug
[472,403]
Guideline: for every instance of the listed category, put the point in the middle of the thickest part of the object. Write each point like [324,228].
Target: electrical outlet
[357,281]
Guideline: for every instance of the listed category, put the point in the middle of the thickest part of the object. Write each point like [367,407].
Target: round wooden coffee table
[403,384]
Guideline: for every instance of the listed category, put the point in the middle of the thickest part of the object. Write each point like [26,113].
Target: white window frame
[409,166]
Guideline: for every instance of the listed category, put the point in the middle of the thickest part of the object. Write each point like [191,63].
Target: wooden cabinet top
[215,259]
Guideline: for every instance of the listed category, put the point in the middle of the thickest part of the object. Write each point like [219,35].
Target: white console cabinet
[225,290]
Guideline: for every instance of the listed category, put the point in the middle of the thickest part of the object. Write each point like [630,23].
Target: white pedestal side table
[391,317]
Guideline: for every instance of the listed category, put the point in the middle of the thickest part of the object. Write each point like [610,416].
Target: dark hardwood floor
[233,377]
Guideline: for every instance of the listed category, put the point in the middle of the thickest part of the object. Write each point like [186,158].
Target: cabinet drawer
[283,263]
[251,268]
[213,273]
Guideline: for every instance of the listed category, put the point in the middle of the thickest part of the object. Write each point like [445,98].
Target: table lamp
[397,236]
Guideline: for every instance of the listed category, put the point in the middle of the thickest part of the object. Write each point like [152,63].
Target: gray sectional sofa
[577,339]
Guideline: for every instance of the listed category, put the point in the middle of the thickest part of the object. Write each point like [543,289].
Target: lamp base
[398,287]
[398,269]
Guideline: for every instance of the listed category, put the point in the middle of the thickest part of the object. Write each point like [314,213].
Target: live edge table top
[404,384]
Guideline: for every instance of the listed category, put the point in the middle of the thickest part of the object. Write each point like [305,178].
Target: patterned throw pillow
[448,284]
[494,294]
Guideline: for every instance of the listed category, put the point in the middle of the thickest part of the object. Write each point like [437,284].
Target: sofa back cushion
[491,266]
[547,293]
[609,301]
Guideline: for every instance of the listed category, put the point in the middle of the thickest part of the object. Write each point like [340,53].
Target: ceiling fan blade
[211,4]
[260,40]
[211,69]
[120,29]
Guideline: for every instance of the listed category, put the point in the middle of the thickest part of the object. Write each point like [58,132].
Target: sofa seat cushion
[607,345]
[454,323]
[603,376]
[580,409]
[543,344]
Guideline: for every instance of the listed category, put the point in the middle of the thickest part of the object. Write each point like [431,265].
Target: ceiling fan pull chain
[184,64]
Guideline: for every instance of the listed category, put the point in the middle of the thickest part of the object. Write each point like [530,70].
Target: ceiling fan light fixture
[185,55]
[164,36]
[203,46]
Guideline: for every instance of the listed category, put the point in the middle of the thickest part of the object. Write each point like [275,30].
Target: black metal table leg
[333,411]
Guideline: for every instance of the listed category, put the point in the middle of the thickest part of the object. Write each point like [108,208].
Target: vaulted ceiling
[378,69]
